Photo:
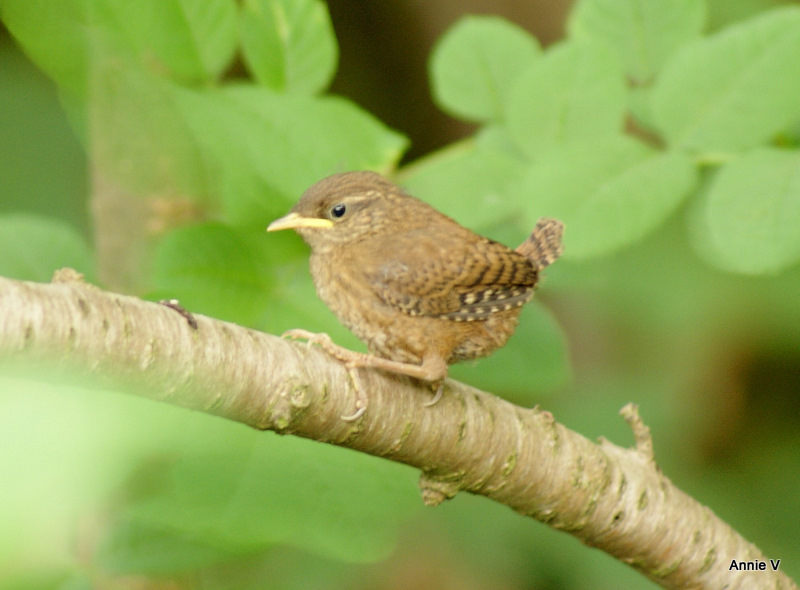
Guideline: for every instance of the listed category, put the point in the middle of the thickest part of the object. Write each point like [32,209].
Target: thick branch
[611,498]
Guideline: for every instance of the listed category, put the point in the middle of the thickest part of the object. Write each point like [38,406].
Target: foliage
[637,130]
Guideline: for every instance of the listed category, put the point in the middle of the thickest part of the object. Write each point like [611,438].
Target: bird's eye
[338,210]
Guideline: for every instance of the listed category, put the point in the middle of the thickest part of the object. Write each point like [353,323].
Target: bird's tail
[543,246]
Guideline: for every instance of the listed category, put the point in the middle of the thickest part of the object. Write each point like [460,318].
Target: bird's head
[344,208]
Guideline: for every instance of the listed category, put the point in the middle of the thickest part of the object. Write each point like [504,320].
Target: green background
[667,142]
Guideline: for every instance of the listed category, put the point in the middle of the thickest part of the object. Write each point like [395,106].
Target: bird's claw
[360,409]
[361,398]
[437,397]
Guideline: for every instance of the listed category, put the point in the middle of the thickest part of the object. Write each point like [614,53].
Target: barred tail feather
[543,246]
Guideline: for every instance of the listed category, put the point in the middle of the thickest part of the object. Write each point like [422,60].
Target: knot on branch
[641,432]
[67,275]
[436,488]
[291,402]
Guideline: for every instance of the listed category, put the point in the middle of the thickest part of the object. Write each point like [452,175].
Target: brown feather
[414,285]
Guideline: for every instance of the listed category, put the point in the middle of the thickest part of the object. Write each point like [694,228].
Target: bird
[419,289]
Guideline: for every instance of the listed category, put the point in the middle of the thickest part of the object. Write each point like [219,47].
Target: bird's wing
[460,276]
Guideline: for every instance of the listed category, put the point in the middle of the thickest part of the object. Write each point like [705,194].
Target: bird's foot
[433,368]
[350,358]
[345,355]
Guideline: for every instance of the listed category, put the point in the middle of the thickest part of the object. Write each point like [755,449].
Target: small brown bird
[419,289]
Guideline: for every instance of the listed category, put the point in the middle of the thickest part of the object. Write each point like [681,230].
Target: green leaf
[136,135]
[643,33]
[468,181]
[289,45]
[264,149]
[575,93]
[608,192]
[55,36]
[212,34]
[735,89]
[189,40]
[181,486]
[192,40]
[32,248]
[214,270]
[749,220]
[254,492]
[141,548]
[44,169]
[475,64]
[534,360]
[640,107]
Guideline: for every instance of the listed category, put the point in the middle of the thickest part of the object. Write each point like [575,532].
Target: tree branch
[611,498]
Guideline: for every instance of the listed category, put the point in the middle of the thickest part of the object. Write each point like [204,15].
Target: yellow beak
[294,220]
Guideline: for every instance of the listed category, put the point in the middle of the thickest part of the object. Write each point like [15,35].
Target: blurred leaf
[162,473]
[193,40]
[139,139]
[76,581]
[467,181]
[265,148]
[255,491]
[643,33]
[734,89]
[190,40]
[749,219]
[608,192]
[289,45]
[533,362]
[141,548]
[475,64]
[36,137]
[52,578]
[640,106]
[330,129]
[214,270]
[49,436]
[32,247]
[724,12]
[576,92]
[55,36]
[131,126]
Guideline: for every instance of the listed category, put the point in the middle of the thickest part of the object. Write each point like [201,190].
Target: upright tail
[543,246]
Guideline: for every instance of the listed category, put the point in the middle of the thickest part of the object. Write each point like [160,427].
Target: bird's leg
[436,366]
[432,369]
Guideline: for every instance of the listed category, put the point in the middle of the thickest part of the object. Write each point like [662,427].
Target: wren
[420,290]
